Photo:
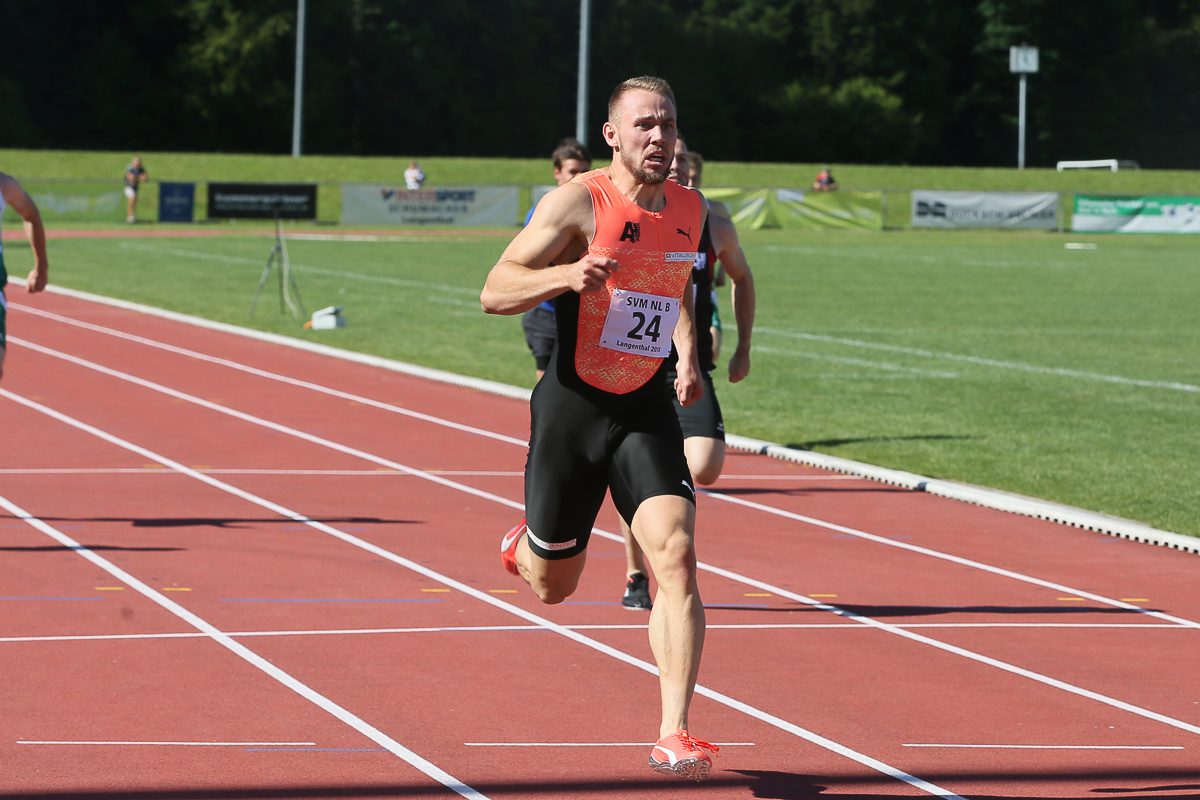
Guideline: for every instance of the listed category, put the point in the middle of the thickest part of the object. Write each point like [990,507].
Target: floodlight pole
[1021,126]
[581,88]
[298,108]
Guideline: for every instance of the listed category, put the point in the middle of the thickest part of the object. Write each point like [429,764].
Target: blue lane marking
[319,600]
[314,750]
[737,605]
[589,603]
[53,598]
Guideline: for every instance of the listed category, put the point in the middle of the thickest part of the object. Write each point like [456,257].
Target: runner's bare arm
[35,232]
[729,251]
[559,232]
[688,386]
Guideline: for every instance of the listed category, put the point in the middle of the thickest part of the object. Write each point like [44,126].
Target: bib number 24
[640,323]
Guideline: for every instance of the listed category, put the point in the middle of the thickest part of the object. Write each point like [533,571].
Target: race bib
[640,323]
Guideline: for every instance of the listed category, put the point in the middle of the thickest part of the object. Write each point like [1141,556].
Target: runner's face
[646,135]
[681,170]
[569,169]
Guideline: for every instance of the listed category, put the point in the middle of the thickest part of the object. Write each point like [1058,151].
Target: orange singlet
[654,253]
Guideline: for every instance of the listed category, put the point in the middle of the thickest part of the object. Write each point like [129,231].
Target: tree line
[850,81]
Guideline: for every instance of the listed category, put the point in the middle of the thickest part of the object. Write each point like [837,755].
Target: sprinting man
[616,248]
[135,176]
[571,158]
[11,194]
[702,423]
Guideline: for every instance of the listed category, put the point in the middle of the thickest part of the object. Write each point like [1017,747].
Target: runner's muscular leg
[705,457]
[664,527]
[552,581]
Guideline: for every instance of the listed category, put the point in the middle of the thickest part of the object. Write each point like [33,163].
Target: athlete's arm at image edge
[524,277]
[35,231]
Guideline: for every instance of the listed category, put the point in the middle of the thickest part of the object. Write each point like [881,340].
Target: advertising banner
[790,208]
[1159,214]
[176,202]
[262,200]
[448,205]
[76,201]
[984,209]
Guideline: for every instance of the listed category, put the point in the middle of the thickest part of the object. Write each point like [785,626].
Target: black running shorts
[583,444]
[703,417]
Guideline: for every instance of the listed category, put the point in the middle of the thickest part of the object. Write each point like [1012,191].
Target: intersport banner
[790,208]
[447,205]
[984,209]
[1159,214]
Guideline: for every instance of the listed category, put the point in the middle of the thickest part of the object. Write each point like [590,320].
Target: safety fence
[383,204]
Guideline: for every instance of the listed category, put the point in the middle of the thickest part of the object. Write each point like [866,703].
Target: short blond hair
[646,83]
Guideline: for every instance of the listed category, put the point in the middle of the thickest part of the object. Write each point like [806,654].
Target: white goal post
[1112,164]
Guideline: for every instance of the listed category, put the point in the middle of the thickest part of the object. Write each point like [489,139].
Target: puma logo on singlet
[632,232]
[687,233]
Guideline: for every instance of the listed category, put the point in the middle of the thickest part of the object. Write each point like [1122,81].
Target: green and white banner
[447,205]
[1153,214]
[790,208]
[77,201]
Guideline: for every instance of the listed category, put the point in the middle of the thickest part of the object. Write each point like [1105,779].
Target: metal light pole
[298,108]
[581,88]
[1022,60]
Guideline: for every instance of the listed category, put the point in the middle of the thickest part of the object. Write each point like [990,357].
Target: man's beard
[642,175]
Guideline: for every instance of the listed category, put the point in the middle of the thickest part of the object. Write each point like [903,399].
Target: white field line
[374,734]
[963,652]
[262,373]
[986,362]
[512,504]
[445,580]
[337,273]
[855,362]
[766,626]
[989,498]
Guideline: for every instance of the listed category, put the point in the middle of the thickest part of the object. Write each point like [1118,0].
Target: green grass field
[1000,359]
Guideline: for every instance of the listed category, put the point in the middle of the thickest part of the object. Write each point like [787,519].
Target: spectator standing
[824,181]
[414,176]
[135,176]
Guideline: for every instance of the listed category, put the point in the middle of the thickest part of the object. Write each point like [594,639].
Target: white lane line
[183,744]
[747,626]
[1058,587]
[209,471]
[1051,746]
[1011,668]
[589,744]
[420,569]
[374,734]
[274,376]
[986,362]
[855,362]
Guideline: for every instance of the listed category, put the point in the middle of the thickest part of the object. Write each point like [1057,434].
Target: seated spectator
[824,181]
[414,176]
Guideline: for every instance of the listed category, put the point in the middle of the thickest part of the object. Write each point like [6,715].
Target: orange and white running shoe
[508,547]
[682,756]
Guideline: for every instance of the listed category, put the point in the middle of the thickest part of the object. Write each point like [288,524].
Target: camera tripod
[278,258]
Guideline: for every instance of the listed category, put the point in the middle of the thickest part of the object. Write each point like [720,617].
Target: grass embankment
[1000,359]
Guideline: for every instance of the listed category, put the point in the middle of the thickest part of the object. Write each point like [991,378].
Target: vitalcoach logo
[632,232]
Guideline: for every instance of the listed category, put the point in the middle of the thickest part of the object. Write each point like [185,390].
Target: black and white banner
[984,209]
[262,200]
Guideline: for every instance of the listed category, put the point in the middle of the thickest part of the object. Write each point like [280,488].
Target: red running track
[237,569]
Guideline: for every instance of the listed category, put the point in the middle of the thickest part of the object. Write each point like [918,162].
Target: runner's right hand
[589,274]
